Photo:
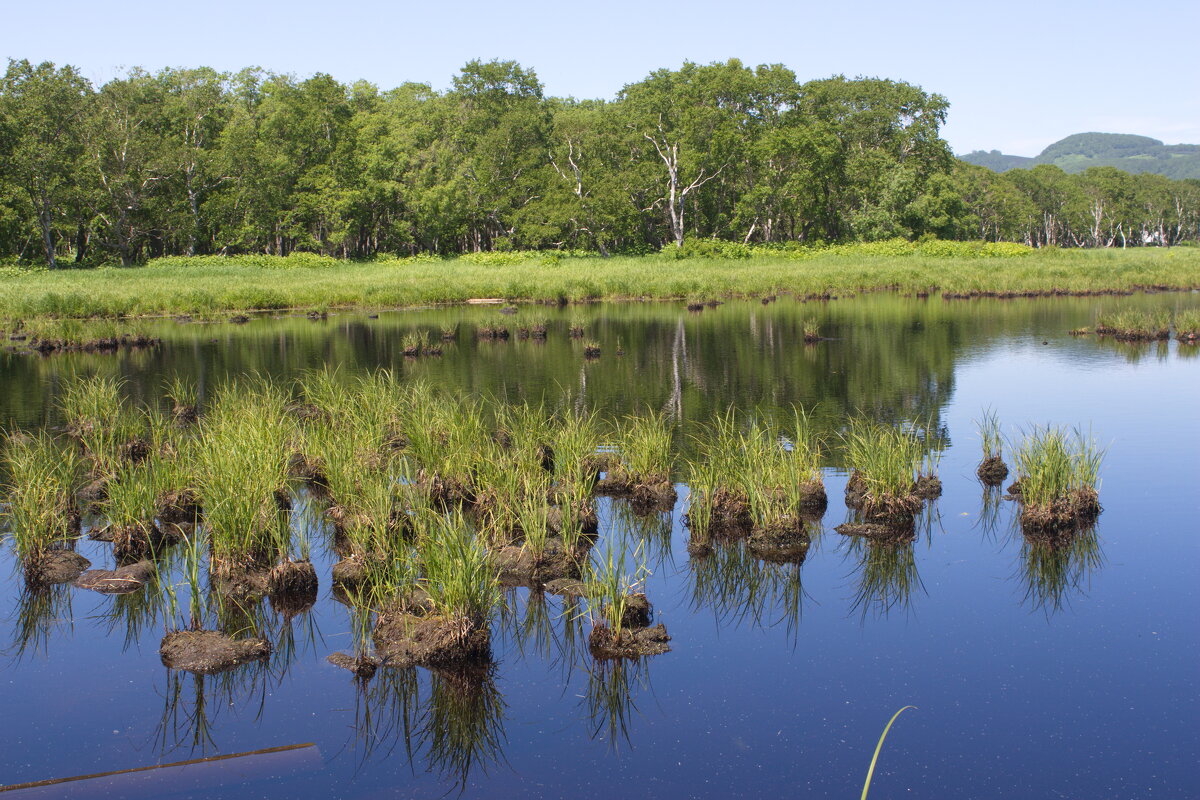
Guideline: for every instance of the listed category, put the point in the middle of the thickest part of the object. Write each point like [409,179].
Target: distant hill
[1121,150]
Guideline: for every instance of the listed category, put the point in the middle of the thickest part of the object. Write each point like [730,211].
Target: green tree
[42,109]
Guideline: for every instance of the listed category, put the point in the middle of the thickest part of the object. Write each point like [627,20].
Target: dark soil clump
[927,487]
[445,492]
[520,566]
[631,643]
[856,490]
[784,542]
[91,496]
[362,666]
[350,572]
[637,612]
[121,580]
[53,567]
[586,518]
[565,587]
[1063,517]
[431,641]
[877,532]
[133,543]
[992,471]
[209,652]
[179,507]
[241,582]
[645,498]
[184,414]
[292,586]
[135,451]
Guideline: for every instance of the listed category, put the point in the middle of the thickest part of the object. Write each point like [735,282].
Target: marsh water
[1068,675]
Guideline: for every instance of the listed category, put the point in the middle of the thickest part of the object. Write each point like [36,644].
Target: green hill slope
[1121,150]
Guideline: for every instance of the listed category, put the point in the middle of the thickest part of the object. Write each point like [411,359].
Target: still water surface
[1077,679]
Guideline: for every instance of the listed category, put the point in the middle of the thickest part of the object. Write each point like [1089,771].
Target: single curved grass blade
[878,747]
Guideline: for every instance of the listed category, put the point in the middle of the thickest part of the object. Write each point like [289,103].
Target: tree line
[195,161]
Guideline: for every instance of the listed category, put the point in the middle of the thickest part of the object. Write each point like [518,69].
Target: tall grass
[645,451]
[243,457]
[208,285]
[1135,324]
[457,572]
[130,509]
[1055,466]
[780,470]
[39,498]
[886,460]
[612,576]
[1187,324]
[99,417]
[989,434]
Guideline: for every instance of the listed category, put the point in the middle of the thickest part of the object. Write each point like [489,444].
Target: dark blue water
[1080,684]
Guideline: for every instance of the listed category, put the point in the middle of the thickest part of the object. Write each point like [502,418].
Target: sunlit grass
[209,285]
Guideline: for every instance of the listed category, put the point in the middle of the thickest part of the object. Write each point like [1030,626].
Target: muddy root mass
[403,639]
[630,643]
[53,567]
[121,580]
[209,652]
[992,471]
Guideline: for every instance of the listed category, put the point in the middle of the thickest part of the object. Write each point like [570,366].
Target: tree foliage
[193,161]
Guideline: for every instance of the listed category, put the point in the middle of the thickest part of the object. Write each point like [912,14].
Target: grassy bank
[207,285]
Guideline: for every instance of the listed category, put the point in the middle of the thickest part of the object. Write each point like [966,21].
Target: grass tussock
[890,465]
[40,507]
[1058,480]
[1134,325]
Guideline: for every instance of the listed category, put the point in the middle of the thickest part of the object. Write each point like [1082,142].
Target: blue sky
[1019,75]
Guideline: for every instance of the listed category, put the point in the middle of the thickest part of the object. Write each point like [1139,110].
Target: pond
[1068,676]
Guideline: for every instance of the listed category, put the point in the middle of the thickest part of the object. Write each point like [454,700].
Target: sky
[1019,75]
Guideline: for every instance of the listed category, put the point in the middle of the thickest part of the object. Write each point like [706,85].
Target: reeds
[992,469]
[109,431]
[887,460]
[1187,326]
[105,335]
[612,578]
[1135,325]
[184,397]
[644,450]
[492,328]
[457,572]
[1058,478]
[534,327]
[39,499]
[781,473]
[130,508]
[243,461]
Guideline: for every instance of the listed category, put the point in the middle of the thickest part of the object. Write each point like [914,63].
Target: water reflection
[738,587]
[611,698]
[40,612]
[193,703]
[449,722]
[887,576]
[989,512]
[1051,571]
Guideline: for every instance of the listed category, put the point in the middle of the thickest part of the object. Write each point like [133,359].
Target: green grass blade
[878,747]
